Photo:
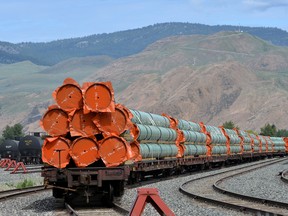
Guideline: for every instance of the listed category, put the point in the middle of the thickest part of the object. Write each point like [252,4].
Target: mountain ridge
[122,43]
[208,78]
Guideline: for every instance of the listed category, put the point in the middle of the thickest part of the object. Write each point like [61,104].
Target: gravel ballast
[264,183]
[44,204]
[180,204]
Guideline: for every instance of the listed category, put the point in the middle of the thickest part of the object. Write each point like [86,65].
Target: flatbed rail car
[104,144]
[104,183]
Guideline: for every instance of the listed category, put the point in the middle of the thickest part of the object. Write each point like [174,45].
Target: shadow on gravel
[43,205]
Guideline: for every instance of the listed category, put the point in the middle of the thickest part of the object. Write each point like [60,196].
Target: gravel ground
[180,204]
[37,204]
[43,203]
[263,183]
[9,181]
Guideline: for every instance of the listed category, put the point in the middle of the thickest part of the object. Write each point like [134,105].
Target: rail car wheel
[118,188]
[108,195]
[57,193]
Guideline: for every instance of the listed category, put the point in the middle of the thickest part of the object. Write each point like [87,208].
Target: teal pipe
[146,118]
[244,135]
[218,139]
[234,138]
[278,141]
[195,137]
[155,150]
[247,147]
[235,149]
[256,149]
[213,129]
[256,141]
[154,133]
[219,150]
[188,126]
[193,150]
[279,149]
[247,140]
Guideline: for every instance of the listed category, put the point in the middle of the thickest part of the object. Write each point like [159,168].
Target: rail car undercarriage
[92,185]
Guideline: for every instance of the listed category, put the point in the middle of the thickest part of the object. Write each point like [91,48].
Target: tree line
[266,130]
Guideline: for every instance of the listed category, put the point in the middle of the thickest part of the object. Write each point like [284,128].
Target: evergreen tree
[268,130]
[282,133]
[13,132]
[229,125]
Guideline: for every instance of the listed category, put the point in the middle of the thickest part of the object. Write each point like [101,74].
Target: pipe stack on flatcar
[99,144]
[86,125]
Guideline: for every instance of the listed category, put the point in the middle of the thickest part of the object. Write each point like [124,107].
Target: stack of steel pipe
[245,139]
[269,144]
[279,144]
[155,137]
[235,144]
[196,143]
[219,142]
[85,125]
[263,143]
[256,143]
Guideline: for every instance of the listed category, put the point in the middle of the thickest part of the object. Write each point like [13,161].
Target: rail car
[9,149]
[30,149]
[27,149]
[97,146]
[204,147]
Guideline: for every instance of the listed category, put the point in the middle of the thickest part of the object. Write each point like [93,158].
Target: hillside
[26,88]
[121,44]
[217,78]
[210,78]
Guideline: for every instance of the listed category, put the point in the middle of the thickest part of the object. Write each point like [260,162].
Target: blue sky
[47,20]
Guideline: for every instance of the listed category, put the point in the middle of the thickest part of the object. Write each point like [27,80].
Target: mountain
[122,43]
[214,78]
[211,78]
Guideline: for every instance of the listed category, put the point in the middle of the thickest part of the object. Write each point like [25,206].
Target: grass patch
[24,184]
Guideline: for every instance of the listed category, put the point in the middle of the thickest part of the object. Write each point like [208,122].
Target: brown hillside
[217,78]
[184,79]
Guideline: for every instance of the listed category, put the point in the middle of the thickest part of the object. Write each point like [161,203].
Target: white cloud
[265,4]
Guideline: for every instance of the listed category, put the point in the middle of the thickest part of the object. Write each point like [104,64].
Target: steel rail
[108,211]
[217,187]
[229,203]
[8,194]
[284,176]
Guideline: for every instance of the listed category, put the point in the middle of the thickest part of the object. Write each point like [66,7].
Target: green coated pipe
[193,150]
[146,118]
[195,137]
[155,150]
[235,149]
[188,125]
[154,133]
[219,150]
[278,141]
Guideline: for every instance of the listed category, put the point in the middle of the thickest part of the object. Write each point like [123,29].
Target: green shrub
[24,184]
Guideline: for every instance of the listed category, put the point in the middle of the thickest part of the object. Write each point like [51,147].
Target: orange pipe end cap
[113,150]
[55,152]
[69,97]
[82,125]
[55,122]
[84,151]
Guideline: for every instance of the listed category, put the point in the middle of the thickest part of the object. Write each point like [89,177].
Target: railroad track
[8,194]
[212,193]
[101,211]
[284,176]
